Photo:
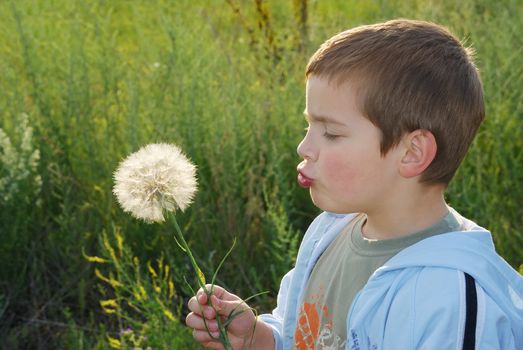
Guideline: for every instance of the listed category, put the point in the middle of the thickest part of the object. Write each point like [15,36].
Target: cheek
[339,170]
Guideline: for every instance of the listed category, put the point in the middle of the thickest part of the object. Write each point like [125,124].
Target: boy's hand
[240,330]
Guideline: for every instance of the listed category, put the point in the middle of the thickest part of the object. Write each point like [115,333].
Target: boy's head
[409,75]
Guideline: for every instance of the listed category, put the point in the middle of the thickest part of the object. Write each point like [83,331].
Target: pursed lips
[303,180]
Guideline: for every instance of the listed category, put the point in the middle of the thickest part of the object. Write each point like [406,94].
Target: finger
[194,306]
[202,310]
[202,298]
[196,322]
[213,345]
[192,303]
[216,290]
[221,293]
[202,295]
[204,337]
[225,307]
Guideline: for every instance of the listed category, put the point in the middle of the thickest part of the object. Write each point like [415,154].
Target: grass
[224,80]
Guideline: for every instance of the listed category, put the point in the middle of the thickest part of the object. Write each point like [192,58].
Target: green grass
[99,79]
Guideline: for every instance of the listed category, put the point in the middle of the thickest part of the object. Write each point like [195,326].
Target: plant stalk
[224,340]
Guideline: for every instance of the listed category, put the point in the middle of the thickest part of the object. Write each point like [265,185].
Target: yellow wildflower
[119,240]
[166,272]
[151,270]
[171,289]
[95,259]
[169,314]
[114,343]
[143,292]
[109,306]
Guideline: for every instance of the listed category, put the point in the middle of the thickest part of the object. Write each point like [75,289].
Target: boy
[392,109]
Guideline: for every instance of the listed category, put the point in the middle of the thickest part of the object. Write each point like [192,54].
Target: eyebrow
[322,119]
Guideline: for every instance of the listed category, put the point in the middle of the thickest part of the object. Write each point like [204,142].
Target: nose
[305,149]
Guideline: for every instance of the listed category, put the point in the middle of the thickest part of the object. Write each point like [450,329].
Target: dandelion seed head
[157,177]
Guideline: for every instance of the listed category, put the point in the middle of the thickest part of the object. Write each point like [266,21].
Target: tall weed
[138,298]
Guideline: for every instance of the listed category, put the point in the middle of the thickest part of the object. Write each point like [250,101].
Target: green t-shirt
[341,272]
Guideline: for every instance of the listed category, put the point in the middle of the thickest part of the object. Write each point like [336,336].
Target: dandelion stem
[185,246]
[223,338]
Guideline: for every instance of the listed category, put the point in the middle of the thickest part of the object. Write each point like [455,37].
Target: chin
[328,205]
[324,205]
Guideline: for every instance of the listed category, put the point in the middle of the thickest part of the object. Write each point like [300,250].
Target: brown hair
[410,75]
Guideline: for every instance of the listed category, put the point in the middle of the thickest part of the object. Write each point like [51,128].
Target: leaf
[201,277]
[179,245]
[222,261]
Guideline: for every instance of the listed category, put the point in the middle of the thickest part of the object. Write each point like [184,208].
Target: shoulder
[430,303]
[433,303]
[410,308]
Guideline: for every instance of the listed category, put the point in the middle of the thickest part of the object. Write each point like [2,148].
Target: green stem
[224,339]
[185,246]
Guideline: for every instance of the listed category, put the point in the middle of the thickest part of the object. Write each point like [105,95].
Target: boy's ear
[419,151]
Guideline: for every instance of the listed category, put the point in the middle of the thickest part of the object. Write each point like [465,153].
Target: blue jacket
[416,300]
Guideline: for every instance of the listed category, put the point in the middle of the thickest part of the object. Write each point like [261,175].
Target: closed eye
[330,136]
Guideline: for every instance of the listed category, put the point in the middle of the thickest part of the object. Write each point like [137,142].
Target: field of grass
[85,82]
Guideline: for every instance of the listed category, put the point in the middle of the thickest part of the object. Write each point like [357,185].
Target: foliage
[143,305]
[224,80]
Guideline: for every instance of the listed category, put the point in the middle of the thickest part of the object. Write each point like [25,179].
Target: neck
[404,216]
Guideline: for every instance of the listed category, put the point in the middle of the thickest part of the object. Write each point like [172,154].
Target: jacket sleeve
[275,319]
[494,329]
[429,312]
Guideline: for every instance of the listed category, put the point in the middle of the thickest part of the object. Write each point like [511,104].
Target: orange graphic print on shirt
[309,325]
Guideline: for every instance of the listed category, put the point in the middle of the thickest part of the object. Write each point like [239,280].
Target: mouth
[304,181]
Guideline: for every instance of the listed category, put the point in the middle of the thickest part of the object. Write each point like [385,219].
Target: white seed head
[157,177]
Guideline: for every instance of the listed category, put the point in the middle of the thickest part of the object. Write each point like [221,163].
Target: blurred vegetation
[86,82]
